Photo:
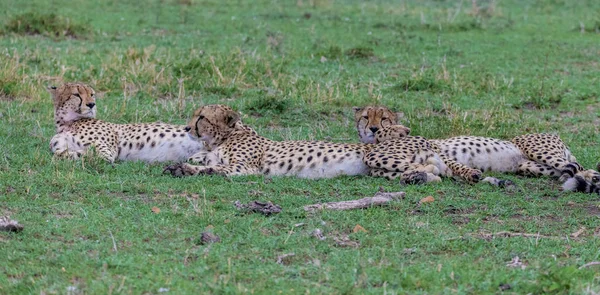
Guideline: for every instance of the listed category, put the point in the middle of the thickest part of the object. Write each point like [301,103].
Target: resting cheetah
[77,129]
[529,154]
[236,151]
[376,124]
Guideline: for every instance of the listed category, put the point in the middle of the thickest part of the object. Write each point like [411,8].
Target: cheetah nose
[373,129]
[90,105]
[187,128]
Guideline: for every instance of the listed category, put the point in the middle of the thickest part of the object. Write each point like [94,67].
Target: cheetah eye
[201,117]
[366,117]
[595,179]
[92,95]
[77,94]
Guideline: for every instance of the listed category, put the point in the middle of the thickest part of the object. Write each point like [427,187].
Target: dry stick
[505,234]
[378,200]
[113,240]
[590,264]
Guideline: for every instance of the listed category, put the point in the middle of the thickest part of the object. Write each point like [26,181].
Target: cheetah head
[370,119]
[590,175]
[213,124]
[73,101]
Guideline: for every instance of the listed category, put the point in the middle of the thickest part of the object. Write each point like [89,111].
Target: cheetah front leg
[205,158]
[235,169]
[106,152]
[411,176]
[391,132]
[65,145]
[461,171]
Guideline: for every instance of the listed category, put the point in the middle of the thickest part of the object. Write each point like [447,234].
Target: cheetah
[77,129]
[529,154]
[376,124]
[237,151]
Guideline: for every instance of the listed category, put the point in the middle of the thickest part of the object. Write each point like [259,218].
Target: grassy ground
[295,69]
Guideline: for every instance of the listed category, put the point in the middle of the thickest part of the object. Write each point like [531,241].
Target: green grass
[295,69]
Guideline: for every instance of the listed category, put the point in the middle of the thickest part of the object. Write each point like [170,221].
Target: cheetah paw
[474,176]
[414,178]
[176,170]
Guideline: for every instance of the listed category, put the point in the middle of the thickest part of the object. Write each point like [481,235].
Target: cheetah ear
[231,118]
[357,109]
[52,90]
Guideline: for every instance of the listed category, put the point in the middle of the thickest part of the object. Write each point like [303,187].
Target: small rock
[318,234]
[516,263]
[427,199]
[504,287]
[359,228]
[266,208]
[345,241]
[7,224]
[208,238]
[283,259]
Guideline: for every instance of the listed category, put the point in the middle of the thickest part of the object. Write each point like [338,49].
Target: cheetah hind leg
[573,168]
[559,164]
[535,169]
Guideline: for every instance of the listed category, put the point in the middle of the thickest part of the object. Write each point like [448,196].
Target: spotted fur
[237,151]
[530,154]
[580,184]
[77,129]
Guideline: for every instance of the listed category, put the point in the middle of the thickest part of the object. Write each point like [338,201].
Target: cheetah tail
[569,171]
[579,184]
[498,182]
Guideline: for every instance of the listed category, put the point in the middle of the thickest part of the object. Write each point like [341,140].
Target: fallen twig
[113,241]
[378,199]
[504,234]
[590,264]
